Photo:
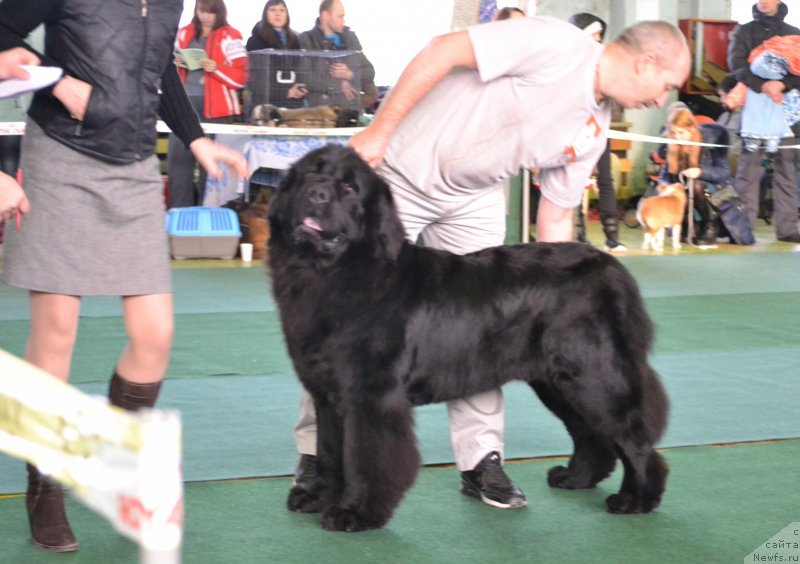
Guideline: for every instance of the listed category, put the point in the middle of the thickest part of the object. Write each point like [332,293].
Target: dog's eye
[347,189]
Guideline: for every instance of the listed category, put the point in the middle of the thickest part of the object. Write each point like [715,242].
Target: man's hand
[774,89]
[340,70]
[74,94]
[209,154]
[370,145]
[350,92]
[11,60]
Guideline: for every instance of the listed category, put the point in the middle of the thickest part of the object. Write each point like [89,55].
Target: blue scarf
[336,39]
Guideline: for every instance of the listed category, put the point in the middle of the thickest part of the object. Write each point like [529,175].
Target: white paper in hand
[39,78]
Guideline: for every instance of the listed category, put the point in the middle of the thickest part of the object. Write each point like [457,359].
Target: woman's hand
[209,154]
[297,91]
[11,61]
[74,94]
[208,65]
[12,198]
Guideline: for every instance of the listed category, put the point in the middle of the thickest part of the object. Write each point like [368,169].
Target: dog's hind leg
[644,482]
[380,462]
[645,470]
[593,457]
[676,236]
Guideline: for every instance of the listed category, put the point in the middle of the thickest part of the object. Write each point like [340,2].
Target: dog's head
[331,204]
[675,190]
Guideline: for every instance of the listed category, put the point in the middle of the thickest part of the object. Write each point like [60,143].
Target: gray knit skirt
[94,228]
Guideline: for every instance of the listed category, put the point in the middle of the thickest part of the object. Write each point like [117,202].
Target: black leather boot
[708,236]
[611,230]
[580,227]
[48,519]
[131,396]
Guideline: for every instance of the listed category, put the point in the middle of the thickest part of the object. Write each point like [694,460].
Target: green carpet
[726,348]
[225,287]
[241,426]
[721,503]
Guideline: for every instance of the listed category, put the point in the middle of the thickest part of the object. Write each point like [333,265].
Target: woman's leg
[150,326]
[54,328]
[137,378]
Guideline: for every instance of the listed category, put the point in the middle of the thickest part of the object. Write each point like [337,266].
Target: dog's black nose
[319,195]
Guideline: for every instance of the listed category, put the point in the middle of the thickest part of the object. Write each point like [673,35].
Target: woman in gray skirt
[96,221]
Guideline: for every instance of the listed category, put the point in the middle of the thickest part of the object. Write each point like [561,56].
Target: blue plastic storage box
[201,232]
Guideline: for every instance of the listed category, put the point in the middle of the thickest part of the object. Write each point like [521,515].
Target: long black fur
[376,325]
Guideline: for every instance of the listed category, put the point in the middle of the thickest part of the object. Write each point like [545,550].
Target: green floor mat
[241,426]
[196,290]
[720,505]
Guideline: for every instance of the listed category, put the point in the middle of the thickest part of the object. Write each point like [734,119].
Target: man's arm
[427,69]
[553,223]
[738,52]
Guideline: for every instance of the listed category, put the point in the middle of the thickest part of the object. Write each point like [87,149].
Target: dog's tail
[635,336]
[655,404]
[629,315]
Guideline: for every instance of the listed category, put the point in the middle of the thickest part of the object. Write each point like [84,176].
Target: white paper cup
[246,250]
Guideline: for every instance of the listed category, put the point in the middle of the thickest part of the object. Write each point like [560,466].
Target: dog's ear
[383,227]
[280,203]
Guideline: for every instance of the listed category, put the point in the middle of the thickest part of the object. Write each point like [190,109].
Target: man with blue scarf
[346,77]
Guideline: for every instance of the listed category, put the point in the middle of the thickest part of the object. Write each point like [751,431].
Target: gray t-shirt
[530,104]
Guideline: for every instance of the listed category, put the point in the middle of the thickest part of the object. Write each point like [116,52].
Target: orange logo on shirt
[590,131]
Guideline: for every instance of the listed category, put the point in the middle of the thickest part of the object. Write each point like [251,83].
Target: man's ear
[644,60]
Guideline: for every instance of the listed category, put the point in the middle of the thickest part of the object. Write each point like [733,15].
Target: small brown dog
[255,228]
[659,212]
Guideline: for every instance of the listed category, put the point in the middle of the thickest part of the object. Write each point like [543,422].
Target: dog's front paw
[562,477]
[303,501]
[625,503]
[348,520]
[622,503]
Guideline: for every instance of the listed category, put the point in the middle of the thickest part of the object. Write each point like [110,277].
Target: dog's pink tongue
[311,223]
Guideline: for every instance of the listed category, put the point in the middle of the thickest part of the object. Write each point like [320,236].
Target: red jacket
[224,46]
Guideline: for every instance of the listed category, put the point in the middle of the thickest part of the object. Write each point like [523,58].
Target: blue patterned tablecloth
[268,151]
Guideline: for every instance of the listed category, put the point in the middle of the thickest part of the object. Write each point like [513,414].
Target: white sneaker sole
[488,501]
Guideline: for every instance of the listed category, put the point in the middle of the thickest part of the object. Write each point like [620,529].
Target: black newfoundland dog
[376,325]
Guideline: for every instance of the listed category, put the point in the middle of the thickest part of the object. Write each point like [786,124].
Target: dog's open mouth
[312,229]
[312,224]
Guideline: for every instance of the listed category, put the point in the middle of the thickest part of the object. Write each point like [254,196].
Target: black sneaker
[614,246]
[489,483]
[793,238]
[306,472]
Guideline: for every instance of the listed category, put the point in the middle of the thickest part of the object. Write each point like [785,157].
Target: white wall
[390,36]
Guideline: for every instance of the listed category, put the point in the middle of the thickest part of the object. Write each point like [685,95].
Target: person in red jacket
[212,83]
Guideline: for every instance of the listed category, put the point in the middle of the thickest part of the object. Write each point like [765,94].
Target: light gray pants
[461,225]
